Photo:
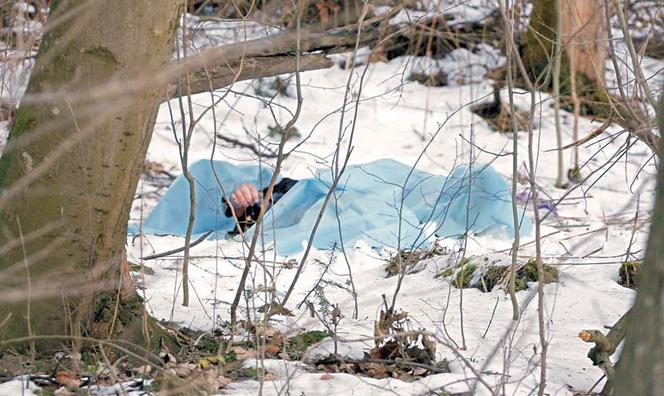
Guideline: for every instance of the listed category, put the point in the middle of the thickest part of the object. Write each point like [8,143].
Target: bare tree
[72,166]
[641,367]
[583,33]
[78,144]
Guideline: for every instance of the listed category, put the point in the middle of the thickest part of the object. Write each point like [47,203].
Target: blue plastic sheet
[385,203]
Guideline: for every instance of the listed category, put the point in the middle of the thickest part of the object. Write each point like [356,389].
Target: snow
[653,70]
[203,33]
[291,377]
[18,387]
[14,75]
[476,64]
[586,241]
[455,11]
[4,131]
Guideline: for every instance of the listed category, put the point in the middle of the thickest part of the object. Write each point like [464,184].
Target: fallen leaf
[326,377]
[143,370]
[243,354]
[214,380]
[67,379]
[420,371]
[223,381]
[185,369]
[377,371]
[275,309]
[206,362]
[266,331]
[271,349]
[336,312]
[585,336]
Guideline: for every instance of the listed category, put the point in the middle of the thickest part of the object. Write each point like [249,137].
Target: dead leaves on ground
[205,365]
[399,353]
[389,360]
[191,379]
[502,118]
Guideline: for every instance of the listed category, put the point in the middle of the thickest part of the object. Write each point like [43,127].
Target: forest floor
[597,225]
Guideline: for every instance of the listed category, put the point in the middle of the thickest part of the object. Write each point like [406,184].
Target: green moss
[230,357]
[498,274]
[297,345]
[217,360]
[444,365]
[23,122]
[141,269]
[491,277]
[465,274]
[107,309]
[529,272]
[208,344]
[394,265]
[629,274]
[245,373]
[445,273]
[408,258]
[101,53]
[129,323]
[275,131]
[54,6]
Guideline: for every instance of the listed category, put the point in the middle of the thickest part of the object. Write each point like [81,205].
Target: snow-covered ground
[586,240]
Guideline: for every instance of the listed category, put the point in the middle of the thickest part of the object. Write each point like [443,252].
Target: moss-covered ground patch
[629,274]
[296,346]
[483,275]
[406,259]
[464,275]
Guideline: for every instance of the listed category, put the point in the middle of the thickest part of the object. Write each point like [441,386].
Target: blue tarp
[385,203]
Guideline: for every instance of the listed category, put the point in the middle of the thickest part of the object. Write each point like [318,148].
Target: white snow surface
[18,387]
[587,241]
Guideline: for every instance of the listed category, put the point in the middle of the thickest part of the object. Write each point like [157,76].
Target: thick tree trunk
[71,167]
[583,36]
[640,370]
[78,144]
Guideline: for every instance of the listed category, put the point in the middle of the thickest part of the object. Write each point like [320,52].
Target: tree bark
[77,147]
[583,36]
[72,167]
[220,76]
[640,370]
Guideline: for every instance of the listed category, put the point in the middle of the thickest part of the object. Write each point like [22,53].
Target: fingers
[253,193]
[250,193]
[245,195]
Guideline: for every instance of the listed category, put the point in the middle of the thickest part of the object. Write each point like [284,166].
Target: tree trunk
[77,146]
[71,168]
[640,370]
[583,36]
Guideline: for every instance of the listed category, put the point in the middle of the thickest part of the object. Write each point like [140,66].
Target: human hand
[244,196]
